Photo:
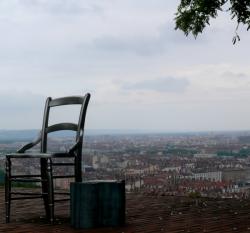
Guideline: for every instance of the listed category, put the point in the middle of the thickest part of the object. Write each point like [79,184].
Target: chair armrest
[30,145]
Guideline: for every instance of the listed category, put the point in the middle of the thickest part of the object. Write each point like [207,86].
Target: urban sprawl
[190,164]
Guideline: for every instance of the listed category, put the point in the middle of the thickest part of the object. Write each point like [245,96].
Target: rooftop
[145,213]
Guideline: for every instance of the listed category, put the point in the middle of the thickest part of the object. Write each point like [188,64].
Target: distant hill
[30,134]
[7,136]
[17,135]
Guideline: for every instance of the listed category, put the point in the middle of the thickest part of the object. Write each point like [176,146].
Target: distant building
[244,139]
[213,176]
[99,161]
[204,155]
[236,175]
[86,168]
[168,169]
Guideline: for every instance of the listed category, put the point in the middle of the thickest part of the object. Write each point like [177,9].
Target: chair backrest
[78,128]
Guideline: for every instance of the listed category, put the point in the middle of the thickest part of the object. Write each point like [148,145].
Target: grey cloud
[139,46]
[168,84]
[166,40]
[235,75]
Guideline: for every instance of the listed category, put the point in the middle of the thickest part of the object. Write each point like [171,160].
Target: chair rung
[57,193]
[27,197]
[61,200]
[32,194]
[66,176]
[63,164]
[26,180]
[24,176]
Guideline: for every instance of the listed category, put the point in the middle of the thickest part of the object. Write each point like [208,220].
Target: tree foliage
[193,16]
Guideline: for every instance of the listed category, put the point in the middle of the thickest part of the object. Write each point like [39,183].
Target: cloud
[164,39]
[234,75]
[167,84]
[55,7]
[143,46]
[114,49]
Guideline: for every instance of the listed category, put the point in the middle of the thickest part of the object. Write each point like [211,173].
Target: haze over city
[142,74]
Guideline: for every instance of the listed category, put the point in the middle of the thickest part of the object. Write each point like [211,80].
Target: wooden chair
[47,160]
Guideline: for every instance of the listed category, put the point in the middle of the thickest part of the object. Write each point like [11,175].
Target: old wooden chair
[47,160]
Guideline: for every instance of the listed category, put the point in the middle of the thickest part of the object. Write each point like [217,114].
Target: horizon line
[148,130]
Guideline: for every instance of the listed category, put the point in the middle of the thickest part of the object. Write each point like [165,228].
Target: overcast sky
[142,74]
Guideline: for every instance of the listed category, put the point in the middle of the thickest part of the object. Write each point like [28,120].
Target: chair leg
[50,190]
[7,189]
[78,169]
[43,166]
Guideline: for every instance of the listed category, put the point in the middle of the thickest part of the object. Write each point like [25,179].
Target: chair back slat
[66,101]
[62,126]
[81,121]
[45,125]
[79,127]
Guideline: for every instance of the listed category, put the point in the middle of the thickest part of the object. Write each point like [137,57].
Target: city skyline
[142,74]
